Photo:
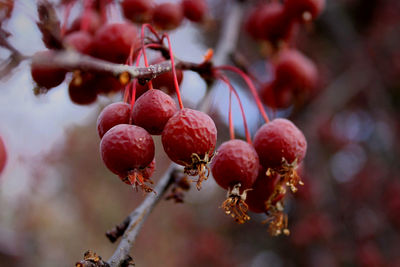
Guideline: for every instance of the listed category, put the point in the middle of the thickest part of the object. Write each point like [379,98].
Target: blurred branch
[14,59]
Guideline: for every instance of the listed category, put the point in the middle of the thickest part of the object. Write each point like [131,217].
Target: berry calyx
[44,75]
[3,155]
[235,168]
[113,114]
[139,11]
[189,139]
[266,197]
[281,146]
[152,111]
[168,16]
[113,41]
[127,150]
[194,10]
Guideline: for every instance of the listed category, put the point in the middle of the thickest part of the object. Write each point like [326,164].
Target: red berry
[304,10]
[82,89]
[46,76]
[153,110]
[92,22]
[235,162]
[276,95]
[127,150]
[273,24]
[194,10]
[113,41]
[262,190]
[296,70]
[139,11]
[80,41]
[235,168]
[106,83]
[113,114]
[168,16]
[3,155]
[164,82]
[189,139]
[278,142]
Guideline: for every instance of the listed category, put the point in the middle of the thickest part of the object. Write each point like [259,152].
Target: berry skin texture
[3,155]
[304,10]
[46,76]
[81,41]
[113,41]
[126,148]
[235,162]
[113,114]
[195,10]
[153,110]
[189,139]
[279,142]
[139,11]
[168,16]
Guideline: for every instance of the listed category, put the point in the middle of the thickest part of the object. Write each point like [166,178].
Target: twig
[137,218]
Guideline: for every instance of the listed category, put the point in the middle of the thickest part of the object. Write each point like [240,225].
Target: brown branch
[137,218]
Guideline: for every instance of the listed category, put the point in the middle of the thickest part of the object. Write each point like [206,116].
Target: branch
[137,218]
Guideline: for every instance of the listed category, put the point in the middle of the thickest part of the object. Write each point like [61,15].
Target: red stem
[231,128]
[251,87]
[171,55]
[232,89]
[144,53]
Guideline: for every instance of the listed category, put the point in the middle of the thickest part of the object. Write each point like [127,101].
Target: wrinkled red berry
[125,148]
[304,10]
[189,139]
[236,162]
[80,41]
[113,114]
[153,110]
[168,16]
[113,41]
[139,11]
[279,142]
[46,76]
[194,10]
[3,155]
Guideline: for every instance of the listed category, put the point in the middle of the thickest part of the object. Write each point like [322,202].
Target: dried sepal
[198,167]
[235,204]
[288,174]
[138,179]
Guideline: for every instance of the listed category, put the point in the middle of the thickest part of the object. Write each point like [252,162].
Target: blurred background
[57,199]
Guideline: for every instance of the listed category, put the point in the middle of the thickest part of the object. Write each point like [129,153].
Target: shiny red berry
[168,16]
[113,114]
[279,142]
[113,41]
[194,10]
[153,110]
[139,11]
[45,75]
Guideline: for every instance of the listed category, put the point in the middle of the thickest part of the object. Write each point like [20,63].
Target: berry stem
[232,89]
[178,94]
[231,128]
[250,85]
[144,53]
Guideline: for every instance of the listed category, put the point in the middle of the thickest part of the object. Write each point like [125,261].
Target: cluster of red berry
[165,16]
[294,75]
